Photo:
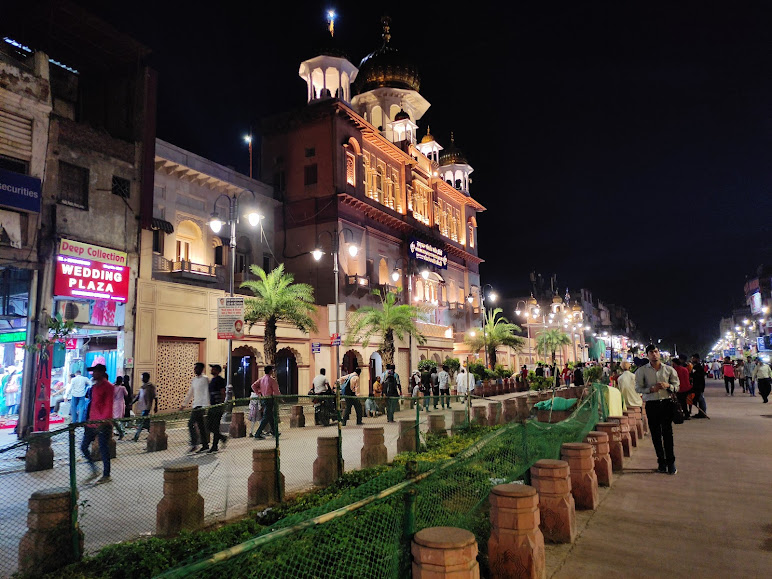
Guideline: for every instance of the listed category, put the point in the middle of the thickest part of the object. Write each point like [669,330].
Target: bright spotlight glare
[317,253]
[254,218]
[215,224]
[352,250]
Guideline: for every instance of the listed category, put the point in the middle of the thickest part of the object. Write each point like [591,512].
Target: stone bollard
[624,430]
[636,410]
[181,508]
[552,480]
[95,454]
[261,485]
[459,419]
[584,481]
[40,455]
[373,448]
[523,412]
[631,420]
[494,414]
[157,439]
[600,455]
[531,399]
[326,463]
[510,410]
[47,544]
[297,418]
[479,416]
[437,424]
[644,420]
[238,428]
[516,544]
[444,552]
[406,441]
[614,443]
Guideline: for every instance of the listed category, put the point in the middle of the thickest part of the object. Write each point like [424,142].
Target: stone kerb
[459,419]
[49,527]
[552,480]
[261,485]
[326,463]
[373,449]
[600,455]
[624,430]
[182,507]
[631,427]
[479,415]
[516,544]
[611,429]
[510,409]
[157,439]
[297,418]
[444,552]
[494,414]
[238,427]
[406,441]
[584,481]
[437,424]
[40,455]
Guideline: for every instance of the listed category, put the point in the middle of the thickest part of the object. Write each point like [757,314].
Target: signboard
[335,340]
[19,191]
[43,390]
[71,344]
[428,253]
[11,337]
[88,271]
[128,363]
[755,302]
[316,347]
[730,352]
[230,318]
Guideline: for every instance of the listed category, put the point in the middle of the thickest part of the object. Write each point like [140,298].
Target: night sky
[624,147]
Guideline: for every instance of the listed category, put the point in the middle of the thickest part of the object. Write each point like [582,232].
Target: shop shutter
[15,135]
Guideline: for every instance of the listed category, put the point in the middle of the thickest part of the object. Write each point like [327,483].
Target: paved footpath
[712,519]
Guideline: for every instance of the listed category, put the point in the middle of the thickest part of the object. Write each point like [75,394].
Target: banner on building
[422,251]
[91,272]
[19,191]
[230,318]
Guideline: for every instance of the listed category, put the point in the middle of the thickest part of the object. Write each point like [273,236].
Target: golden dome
[428,137]
[452,155]
[576,308]
[556,299]
[386,67]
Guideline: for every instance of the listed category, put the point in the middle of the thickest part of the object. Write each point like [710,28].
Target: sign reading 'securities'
[428,253]
[90,272]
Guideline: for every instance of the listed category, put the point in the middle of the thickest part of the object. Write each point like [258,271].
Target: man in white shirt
[464,382]
[443,381]
[321,384]
[76,393]
[763,374]
[198,397]
[626,383]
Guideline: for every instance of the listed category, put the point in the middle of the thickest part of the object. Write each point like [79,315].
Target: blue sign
[760,345]
[436,256]
[19,191]
[316,347]
[730,352]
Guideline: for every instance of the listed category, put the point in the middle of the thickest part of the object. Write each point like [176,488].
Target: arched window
[419,291]
[189,247]
[377,117]
[383,272]
[317,79]
[453,292]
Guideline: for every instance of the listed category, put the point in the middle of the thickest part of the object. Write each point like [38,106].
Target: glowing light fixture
[353,250]
[215,223]
[425,274]
[248,139]
[395,274]
[254,218]
[317,253]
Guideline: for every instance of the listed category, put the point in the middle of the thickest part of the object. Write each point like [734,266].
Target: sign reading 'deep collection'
[91,272]
[230,318]
[428,253]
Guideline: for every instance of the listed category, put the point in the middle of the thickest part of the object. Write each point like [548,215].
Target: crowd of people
[747,373]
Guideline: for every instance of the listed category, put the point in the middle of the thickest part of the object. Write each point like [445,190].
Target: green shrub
[427,365]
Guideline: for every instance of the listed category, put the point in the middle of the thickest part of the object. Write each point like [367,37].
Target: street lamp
[215,223]
[334,248]
[248,141]
[397,272]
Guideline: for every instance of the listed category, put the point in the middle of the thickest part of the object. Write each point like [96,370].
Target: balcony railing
[435,330]
[360,283]
[186,269]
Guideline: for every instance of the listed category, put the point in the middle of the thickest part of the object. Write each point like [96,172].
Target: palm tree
[550,341]
[387,321]
[278,299]
[499,331]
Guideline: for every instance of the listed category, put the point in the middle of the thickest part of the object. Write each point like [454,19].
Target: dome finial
[386,22]
[452,139]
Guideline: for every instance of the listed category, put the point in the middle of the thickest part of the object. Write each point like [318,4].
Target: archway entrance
[350,362]
[244,371]
[376,368]
[287,371]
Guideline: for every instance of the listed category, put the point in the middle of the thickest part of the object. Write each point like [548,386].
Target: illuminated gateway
[351,160]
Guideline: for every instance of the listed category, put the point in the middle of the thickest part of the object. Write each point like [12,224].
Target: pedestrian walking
[102,394]
[77,396]
[626,385]
[267,387]
[739,373]
[464,383]
[426,388]
[698,386]
[579,374]
[392,389]
[728,371]
[566,374]
[198,398]
[129,396]
[145,400]
[217,388]
[763,374]
[685,385]
[435,388]
[655,381]
[716,369]
[119,405]
[443,383]
[750,381]
[350,389]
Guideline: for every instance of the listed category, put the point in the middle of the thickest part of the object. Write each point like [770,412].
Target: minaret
[429,147]
[330,74]
[454,167]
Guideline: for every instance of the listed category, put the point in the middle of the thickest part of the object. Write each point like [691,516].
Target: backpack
[390,385]
[345,389]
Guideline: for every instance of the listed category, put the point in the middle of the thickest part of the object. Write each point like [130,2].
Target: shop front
[14,303]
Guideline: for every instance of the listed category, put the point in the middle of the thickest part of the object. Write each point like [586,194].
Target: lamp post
[530,309]
[492,296]
[334,248]
[215,223]
[248,141]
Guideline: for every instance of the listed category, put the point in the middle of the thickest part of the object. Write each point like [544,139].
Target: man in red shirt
[685,388]
[267,387]
[101,408]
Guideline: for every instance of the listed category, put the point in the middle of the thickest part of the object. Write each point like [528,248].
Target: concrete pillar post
[494,414]
[479,415]
[584,481]
[510,410]
[238,427]
[437,424]
[638,415]
[552,480]
[600,455]
[631,427]
[516,544]
[523,411]
[614,443]
[444,553]
[459,419]
[373,449]
[49,528]
[181,507]
[624,431]
[297,418]
[326,463]
[40,455]
[157,439]
[406,441]
[261,485]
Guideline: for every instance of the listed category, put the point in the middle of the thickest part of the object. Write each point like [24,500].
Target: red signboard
[43,390]
[88,279]
[71,344]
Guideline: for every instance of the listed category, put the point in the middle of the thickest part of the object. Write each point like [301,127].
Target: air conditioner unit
[77,312]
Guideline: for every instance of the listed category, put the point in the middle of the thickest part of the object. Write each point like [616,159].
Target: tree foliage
[499,331]
[278,299]
[549,341]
